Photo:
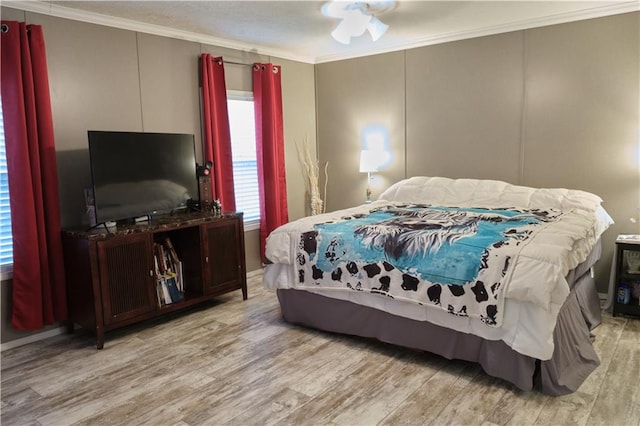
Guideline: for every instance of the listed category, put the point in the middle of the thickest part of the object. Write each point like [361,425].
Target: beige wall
[353,95]
[582,116]
[464,103]
[298,104]
[556,106]
[103,78]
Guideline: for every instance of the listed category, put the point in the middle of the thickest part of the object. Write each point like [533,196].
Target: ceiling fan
[356,17]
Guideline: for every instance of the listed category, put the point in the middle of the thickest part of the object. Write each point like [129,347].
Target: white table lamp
[370,162]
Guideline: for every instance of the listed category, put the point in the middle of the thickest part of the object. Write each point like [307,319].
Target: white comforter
[538,286]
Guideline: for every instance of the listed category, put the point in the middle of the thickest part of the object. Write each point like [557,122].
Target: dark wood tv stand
[111,279]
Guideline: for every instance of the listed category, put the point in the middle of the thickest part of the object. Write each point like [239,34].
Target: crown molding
[127,24]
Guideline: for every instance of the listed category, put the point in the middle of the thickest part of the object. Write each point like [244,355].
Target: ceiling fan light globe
[333,9]
[342,34]
[358,22]
[355,20]
[376,28]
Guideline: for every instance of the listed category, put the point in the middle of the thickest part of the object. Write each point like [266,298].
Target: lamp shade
[370,160]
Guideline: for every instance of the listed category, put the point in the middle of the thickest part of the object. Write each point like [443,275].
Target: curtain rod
[4,28]
[232,62]
[237,63]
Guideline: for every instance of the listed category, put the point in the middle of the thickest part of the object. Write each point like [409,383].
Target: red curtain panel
[217,136]
[39,294]
[272,182]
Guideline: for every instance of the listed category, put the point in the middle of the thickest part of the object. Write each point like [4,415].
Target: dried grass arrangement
[312,171]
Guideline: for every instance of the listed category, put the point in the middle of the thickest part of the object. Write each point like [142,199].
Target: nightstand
[626,294]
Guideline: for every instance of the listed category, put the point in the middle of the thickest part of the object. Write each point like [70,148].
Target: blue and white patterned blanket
[458,259]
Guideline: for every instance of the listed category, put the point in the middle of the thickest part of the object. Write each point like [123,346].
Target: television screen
[141,174]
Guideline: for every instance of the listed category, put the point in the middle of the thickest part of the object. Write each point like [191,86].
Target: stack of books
[169,283]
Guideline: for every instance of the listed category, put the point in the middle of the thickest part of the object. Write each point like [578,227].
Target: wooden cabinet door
[223,262]
[126,277]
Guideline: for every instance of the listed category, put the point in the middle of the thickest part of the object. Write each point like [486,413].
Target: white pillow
[487,193]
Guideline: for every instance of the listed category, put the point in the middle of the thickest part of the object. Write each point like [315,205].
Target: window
[6,242]
[243,147]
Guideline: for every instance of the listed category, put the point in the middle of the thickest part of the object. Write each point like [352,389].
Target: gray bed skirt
[573,359]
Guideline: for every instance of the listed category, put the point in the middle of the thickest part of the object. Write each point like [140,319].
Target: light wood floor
[238,363]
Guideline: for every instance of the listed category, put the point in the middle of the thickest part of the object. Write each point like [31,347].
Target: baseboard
[254,273]
[32,338]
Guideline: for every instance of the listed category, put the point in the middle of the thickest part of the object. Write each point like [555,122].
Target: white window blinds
[243,146]
[6,241]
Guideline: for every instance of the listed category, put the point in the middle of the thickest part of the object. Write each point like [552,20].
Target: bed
[478,270]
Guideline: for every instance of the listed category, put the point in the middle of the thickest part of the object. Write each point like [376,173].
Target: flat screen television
[138,174]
